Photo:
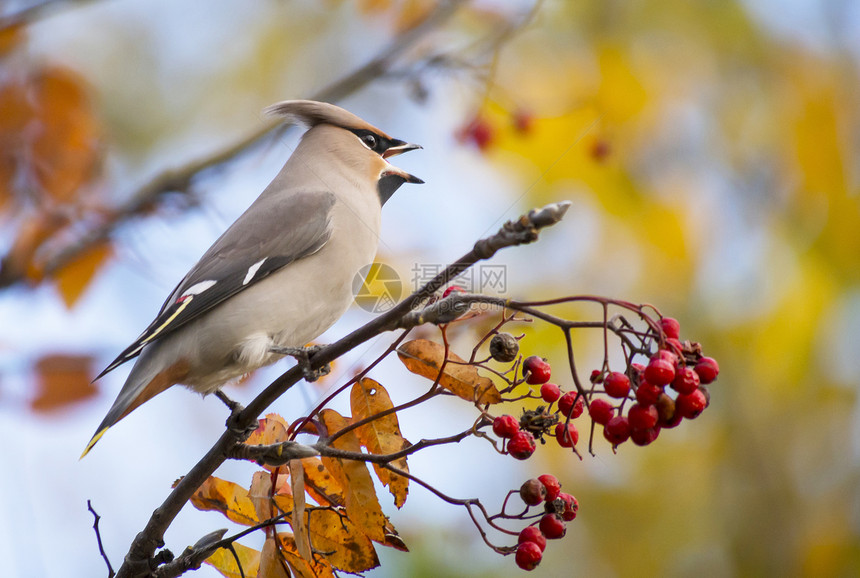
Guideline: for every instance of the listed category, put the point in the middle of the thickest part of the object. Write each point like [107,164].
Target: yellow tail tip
[93,442]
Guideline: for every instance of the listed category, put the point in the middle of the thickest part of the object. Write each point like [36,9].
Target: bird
[282,273]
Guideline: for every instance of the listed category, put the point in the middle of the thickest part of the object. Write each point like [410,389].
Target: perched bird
[282,273]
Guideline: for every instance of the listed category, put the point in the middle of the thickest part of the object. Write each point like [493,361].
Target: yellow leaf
[346,547]
[228,498]
[224,561]
[74,277]
[362,505]
[382,435]
[318,568]
[426,357]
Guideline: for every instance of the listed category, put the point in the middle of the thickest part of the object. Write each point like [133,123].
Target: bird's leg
[236,409]
[302,356]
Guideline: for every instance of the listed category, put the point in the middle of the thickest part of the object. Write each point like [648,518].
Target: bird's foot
[302,355]
[236,409]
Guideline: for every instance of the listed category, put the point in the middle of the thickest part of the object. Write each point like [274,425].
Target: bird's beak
[401,147]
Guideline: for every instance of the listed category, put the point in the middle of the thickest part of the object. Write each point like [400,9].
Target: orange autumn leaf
[382,435]
[271,429]
[224,561]
[346,547]
[362,505]
[321,485]
[11,36]
[317,568]
[272,562]
[260,494]
[228,498]
[65,150]
[426,357]
[62,379]
[72,279]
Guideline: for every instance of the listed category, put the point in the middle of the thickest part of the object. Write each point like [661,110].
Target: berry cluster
[634,404]
[559,508]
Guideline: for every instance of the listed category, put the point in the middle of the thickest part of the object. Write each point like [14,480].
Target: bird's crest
[311,113]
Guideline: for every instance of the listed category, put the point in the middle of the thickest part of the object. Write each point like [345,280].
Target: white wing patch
[252,270]
[198,288]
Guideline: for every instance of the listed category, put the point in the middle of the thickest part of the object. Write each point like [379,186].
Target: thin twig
[96,519]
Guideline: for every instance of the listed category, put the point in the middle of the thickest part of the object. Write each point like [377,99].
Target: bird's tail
[135,392]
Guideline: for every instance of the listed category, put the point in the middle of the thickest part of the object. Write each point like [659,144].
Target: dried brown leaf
[426,357]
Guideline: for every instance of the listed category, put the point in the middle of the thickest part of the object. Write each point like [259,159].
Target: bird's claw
[302,356]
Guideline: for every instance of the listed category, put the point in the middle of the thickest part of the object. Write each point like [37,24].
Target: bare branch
[96,519]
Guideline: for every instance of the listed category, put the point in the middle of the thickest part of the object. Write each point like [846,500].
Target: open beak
[400,147]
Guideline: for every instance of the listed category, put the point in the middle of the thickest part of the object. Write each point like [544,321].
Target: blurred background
[711,150]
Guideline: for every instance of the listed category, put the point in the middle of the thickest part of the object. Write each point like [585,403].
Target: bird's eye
[369,140]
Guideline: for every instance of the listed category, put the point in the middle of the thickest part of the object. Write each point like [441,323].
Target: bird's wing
[268,236]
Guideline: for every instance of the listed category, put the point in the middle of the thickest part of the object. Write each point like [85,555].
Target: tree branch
[139,561]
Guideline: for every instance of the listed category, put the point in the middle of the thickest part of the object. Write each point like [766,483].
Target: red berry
[601,411]
[595,376]
[479,131]
[643,437]
[550,392]
[647,393]
[660,371]
[522,445]
[537,370]
[566,436]
[670,327]
[617,384]
[571,506]
[533,492]
[571,405]
[690,405]
[668,355]
[686,380]
[707,369]
[552,485]
[506,426]
[532,534]
[673,345]
[552,526]
[617,430]
[452,289]
[642,416]
[528,555]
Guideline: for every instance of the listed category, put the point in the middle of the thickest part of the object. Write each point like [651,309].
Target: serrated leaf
[382,435]
[229,498]
[426,357]
[225,563]
[362,505]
